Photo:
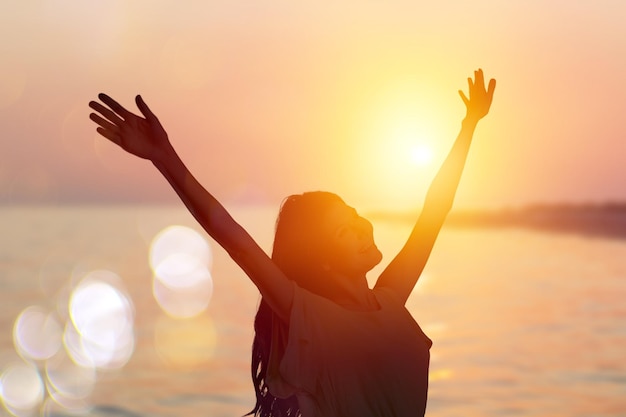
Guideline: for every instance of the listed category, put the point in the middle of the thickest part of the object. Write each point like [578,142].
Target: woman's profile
[325,344]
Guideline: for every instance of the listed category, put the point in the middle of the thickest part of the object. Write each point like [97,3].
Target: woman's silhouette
[325,343]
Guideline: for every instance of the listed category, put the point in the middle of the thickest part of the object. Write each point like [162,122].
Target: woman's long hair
[298,243]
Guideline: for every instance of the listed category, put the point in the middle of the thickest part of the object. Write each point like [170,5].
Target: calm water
[523,323]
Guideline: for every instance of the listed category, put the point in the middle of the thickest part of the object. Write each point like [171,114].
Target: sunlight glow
[401,133]
[408,143]
[421,155]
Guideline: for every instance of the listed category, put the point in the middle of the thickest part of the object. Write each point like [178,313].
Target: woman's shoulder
[386,296]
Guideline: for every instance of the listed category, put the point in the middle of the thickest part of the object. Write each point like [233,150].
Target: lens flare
[184,302]
[37,334]
[98,312]
[179,239]
[21,389]
[180,259]
[102,332]
[67,380]
[181,270]
[74,347]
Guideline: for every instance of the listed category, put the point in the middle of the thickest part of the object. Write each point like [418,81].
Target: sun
[409,144]
[401,140]
[421,155]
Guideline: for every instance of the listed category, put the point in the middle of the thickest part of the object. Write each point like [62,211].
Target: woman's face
[351,250]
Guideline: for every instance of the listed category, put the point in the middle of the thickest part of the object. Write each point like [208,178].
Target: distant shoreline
[607,220]
[589,220]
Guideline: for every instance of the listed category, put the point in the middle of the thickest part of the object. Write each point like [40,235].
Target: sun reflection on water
[91,329]
[88,326]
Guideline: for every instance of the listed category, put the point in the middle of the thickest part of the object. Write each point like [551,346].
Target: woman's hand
[141,136]
[479,100]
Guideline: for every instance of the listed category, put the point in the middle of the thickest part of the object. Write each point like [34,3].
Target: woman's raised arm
[146,138]
[405,269]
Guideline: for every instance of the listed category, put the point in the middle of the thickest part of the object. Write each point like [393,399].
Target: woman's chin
[377,257]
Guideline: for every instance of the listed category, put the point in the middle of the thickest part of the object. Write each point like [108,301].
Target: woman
[325,343]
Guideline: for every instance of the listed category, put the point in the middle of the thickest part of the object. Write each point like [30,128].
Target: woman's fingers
[105,124]
[464,98]
[144,109]
[479,77]
[492,86]
[114,105]
[106,129]
[111,116]
[478,84]
[478,100]
[113,137]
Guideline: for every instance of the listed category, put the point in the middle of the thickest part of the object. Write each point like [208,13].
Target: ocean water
[523,323]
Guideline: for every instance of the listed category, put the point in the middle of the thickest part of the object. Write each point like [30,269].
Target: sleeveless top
[345,363]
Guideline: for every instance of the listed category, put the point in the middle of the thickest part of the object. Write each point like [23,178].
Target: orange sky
[265,99]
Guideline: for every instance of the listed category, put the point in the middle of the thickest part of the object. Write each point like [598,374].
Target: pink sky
[265,99]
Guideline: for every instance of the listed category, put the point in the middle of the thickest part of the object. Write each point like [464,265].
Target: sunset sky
[267,98]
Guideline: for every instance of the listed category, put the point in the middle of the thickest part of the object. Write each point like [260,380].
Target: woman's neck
[353,293]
